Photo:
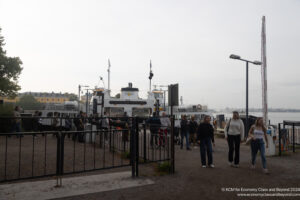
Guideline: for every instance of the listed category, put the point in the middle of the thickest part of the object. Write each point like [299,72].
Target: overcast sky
[63,43]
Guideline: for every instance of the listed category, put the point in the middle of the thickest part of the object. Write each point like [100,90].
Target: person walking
[193,125]
[17,121]
[184,132]
[257,133]
[205,134]
[234,134]
[165,124]
[154,123]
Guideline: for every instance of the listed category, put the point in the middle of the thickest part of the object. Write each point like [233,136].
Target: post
[293,137]
[132,147]
[247,117]
[164,100]
[279,135]
[145,144]
[137,146]
[79,88]
[59,159]
[86,102]
[172,146]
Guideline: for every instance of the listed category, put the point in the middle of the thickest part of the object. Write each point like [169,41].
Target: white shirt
[165,122]
[258,134]
[236,127]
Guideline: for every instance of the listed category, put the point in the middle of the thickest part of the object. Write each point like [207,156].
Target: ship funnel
[130,85]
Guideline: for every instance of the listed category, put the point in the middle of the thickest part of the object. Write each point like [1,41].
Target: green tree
[71,96]
[28,102]
[118,96]
[10,69]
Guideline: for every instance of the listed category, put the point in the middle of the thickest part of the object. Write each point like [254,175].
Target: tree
[73,97]
[10,69]
[28,102]
[118,96]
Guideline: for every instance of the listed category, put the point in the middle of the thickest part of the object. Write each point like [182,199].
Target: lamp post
[79,90]
[87,101]
[236,57]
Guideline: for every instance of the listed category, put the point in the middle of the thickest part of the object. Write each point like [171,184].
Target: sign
[173,95]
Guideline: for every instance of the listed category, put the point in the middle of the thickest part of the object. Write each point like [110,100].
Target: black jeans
[234,146]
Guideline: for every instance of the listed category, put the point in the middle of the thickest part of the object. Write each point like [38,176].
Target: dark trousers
[234,147]
[206,147]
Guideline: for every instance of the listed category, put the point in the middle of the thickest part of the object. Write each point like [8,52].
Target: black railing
[45,148]
[289,136]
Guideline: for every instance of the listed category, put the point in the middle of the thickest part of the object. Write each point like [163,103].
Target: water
[274,117]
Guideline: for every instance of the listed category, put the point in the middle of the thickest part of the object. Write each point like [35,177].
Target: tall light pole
[236,57]
[87,101]
[79,90]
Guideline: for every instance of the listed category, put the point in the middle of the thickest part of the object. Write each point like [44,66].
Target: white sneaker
[195,147]
[203,166]
[266,171]
[236,166]
[230,164]
[211,166]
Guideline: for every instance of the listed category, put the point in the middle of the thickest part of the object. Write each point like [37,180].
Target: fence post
[58,160]
[132,147]
[137,146]
[110,149]
[172,146]
[145,142]
[293,137]
[279,135]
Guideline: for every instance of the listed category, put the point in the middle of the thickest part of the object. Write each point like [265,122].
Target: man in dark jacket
[205,134]
[184,132]
[155,124]
[193,131]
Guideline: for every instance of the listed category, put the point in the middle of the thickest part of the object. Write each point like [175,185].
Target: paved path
[71,186]
[193,182]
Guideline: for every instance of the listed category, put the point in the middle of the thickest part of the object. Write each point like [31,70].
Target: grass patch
[163,168]
[125,155]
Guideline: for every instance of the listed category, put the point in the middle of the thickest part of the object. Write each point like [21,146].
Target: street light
[79,89]
[236,57]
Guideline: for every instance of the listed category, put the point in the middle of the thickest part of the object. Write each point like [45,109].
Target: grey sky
[63,43]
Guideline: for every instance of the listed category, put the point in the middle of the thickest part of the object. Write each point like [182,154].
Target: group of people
[190,132]
[203,134]
[234,134]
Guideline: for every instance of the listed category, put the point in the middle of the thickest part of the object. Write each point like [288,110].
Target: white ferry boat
[129,103]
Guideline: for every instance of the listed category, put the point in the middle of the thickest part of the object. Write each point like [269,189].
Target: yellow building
[41,97]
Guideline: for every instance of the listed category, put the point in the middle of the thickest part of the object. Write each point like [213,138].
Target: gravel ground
[193,182]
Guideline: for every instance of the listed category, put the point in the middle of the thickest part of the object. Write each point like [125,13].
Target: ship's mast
[150,76]
[264,72]
[108,70]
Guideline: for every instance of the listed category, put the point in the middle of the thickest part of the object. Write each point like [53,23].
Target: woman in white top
[258,132]
[234,134]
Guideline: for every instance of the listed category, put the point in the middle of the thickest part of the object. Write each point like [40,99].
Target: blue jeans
[256,145]
[185,135]
[206,147]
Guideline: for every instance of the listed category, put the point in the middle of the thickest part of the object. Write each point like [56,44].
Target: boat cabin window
[114,112]
[141,112]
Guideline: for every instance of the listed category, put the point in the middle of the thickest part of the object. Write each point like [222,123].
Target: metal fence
[289,136]
[43,148]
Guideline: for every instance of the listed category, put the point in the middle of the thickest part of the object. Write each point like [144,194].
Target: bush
[6,111]
[125,155]
[163,168]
